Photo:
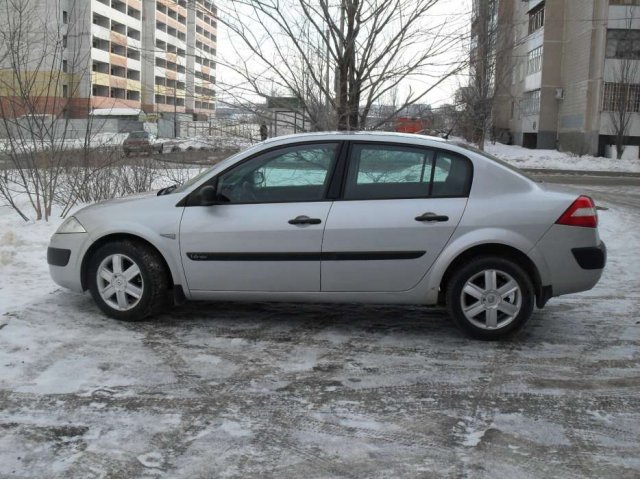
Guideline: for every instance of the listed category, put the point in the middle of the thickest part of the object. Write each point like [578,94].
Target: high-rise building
[153,55]
[572,65]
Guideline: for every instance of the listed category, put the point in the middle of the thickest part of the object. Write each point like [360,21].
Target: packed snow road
[286,390]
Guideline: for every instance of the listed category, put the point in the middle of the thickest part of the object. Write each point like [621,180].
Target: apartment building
[562,81]
[152,55]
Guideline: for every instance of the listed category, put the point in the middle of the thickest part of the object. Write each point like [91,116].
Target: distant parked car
[188,144]
[141,142]
[340,217]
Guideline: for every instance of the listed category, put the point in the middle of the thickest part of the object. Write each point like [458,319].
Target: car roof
[355,135]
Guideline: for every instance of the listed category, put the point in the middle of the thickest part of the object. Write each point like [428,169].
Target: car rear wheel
[128,280]
[490,297]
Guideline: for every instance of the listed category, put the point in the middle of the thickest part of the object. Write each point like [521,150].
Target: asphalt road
[282,390]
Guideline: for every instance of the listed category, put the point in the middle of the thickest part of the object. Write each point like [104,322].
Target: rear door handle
[431,217]
[304,220]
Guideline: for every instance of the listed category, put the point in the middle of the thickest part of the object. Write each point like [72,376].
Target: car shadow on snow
[431,324]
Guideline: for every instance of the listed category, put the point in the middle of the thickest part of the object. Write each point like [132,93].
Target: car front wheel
[490,297]
[128,280]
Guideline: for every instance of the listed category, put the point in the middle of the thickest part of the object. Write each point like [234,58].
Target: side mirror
[208,196]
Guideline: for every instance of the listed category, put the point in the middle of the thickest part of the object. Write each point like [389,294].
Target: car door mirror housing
[208,196]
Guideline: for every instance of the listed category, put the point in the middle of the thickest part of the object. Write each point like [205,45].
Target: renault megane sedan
[340,217]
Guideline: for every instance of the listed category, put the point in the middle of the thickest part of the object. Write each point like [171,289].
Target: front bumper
[64,257]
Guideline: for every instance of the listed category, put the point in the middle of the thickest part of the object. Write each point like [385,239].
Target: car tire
[490,297]
[123,298]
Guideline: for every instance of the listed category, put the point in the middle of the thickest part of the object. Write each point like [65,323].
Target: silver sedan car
[340,217]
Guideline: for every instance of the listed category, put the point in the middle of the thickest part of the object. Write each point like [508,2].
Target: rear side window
[388,172]
[452,176]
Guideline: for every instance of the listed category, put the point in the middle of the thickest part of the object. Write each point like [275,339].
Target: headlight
[71,225]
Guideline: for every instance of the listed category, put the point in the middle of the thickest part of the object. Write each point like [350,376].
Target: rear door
[399,207]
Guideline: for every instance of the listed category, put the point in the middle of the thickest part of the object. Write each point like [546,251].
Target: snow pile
[24,274]
[552,159]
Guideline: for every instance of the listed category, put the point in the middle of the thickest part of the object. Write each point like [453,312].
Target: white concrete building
[152,55]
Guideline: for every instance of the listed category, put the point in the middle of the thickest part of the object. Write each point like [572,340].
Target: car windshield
[493,158]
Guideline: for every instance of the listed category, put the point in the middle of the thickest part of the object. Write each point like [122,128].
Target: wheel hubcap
[120,282]
[491,299]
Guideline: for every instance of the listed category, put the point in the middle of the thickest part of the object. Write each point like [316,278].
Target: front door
[399,209]
[265,232]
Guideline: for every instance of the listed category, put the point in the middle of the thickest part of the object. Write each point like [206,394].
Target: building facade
[151,55]
[572,64]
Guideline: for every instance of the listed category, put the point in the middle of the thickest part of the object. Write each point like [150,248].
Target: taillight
[581,213]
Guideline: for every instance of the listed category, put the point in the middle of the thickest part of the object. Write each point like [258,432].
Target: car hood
[136,197]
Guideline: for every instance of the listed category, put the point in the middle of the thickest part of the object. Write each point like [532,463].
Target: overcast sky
[455,12]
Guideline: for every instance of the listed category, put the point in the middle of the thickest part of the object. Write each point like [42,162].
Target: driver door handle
[431,217]
[304,220]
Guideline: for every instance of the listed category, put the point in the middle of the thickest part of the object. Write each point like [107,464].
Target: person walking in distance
[263,132]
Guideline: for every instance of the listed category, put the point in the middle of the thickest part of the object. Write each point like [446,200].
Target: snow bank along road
[307,391]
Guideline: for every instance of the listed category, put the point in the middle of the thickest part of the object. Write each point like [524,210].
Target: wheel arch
[112,237]
[493,249]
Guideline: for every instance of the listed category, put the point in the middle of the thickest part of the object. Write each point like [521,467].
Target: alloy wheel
[491,299]
[120,282]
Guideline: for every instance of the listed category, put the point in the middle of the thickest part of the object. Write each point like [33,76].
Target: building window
[65,66]
[534,60]
[64,41]
[624,2]
[536,18]
[623,43]
[65,91]
[530,103]
[133,12]
[65,17]
[621,97]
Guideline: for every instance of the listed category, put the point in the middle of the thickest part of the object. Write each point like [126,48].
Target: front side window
[394,172]
[293,174]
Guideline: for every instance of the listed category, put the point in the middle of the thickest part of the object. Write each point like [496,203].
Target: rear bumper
[572,258]
[591,258]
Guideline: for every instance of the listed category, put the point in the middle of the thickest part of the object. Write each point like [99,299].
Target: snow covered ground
[553,159]
[285,390]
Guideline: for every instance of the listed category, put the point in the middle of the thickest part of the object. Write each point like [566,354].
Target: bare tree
[340,58]
[622,96]
[37,92]
[490,71]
